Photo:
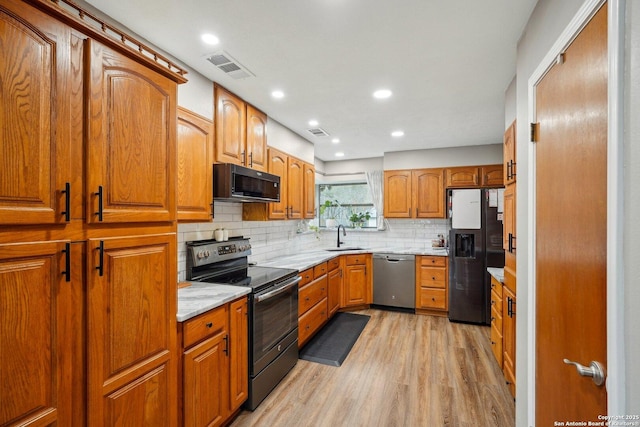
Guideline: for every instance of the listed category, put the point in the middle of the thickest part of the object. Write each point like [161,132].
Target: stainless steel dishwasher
[394,280]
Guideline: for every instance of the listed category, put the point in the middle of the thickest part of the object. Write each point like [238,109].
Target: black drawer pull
[209,325]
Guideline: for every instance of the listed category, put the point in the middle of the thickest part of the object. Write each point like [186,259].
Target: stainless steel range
[273,308]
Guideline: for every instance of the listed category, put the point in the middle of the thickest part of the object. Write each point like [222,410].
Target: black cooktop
[251,276]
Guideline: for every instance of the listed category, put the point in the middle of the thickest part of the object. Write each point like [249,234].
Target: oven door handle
[281,289]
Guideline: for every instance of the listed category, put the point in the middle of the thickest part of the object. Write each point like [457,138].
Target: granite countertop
[498,273]
[304,260]
[201,297]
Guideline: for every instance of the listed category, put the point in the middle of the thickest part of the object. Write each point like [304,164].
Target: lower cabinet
[214,364]
[358,280]
[334,283]
[432,280]
[509,338]
[312,302]
[496,320]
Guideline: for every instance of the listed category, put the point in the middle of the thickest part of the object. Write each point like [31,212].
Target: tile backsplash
[271,239]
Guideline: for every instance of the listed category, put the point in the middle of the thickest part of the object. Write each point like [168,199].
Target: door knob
[595,371]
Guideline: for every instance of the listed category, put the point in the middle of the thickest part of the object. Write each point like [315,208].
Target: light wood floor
[404,370]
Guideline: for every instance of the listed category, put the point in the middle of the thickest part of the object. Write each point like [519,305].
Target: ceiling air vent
[318,132]
[229,66]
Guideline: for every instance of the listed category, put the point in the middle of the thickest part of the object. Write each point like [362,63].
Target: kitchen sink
[344,248]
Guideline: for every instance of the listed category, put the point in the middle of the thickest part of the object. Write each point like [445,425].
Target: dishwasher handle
[393,258]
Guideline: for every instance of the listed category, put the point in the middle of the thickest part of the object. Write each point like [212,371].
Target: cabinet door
[463,177]
[428,193]
[295,184]
[335,290]
[510,154]
[256,139]
[509,224]
[38,334]
[195,166]
[206,376]
[131,324]
[355,286]
[238,354]
[230,127]
[40,114]
[509,337]
[309,211]
[397,194]
[278,166]
[492,176]
[131,147]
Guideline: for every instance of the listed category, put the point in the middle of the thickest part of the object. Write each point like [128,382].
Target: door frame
[616,396]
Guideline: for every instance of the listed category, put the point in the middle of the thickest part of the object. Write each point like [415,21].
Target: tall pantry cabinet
[87,223]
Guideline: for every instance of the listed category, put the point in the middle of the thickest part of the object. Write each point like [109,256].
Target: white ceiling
[447,62]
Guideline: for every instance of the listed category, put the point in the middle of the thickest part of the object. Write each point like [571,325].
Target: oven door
[274,320]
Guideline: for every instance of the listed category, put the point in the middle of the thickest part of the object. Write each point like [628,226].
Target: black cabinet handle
[100,207]
[226,344]
[244,158]
[209,325]
[67,262]
[510,311]
[251,159]
[67,202]
[513,170]
[512,248]
[211,204]
[100,266]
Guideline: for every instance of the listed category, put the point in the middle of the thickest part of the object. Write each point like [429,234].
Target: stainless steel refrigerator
[475,243]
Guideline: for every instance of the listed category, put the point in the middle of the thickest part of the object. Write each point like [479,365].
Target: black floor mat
[332,344]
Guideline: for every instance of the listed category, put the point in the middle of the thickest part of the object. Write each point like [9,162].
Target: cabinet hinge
[534,132]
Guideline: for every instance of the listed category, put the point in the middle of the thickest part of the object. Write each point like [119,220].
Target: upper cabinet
[195,167]
[41,116]
[474,176]
[510,154]
[414,193]
[131,124]
[241,132]
[256,139]
[309,192]
[492,176]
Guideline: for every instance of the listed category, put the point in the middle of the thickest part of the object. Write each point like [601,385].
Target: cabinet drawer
[436,261]
[496,300]
[332,264]
[433,277]
[496,287]
[319,270]
[356,259]
[311,294]
[311,321]
[433,298]
[496,344]
[204,325]
[307,277]
[496,318]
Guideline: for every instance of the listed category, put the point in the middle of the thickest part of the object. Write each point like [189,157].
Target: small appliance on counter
[273,308]
[475,243]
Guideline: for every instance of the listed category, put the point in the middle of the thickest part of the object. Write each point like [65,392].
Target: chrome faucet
[344,233]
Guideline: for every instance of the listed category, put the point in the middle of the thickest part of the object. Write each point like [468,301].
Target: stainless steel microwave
[234,183]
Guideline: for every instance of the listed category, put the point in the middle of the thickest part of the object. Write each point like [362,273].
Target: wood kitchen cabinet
[510,154]
[215,364]
[432,278]
[312,304]
[496,320]
[93,142]
[463,177]
[492,176]
[131,319]
[131,126]
[509,220]
[195,167]
[309,192]
[509,337]
[241,131]
[414,193]
[358,281]
[334,279]
[295,185]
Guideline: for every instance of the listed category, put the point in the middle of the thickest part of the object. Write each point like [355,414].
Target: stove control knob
[200,255]
[206,254]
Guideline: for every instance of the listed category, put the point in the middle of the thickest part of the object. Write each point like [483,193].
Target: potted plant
[329,209]
[358,219]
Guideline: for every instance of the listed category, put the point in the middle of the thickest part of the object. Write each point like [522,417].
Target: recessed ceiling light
[278,94]
[339,154]
[335,140]
[210,39]
[382,94]
[397,133]
[313,123]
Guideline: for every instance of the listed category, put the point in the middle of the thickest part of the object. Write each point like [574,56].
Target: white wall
[631,245]
[443,157]
[284,139]
[197,94]
[510,103]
